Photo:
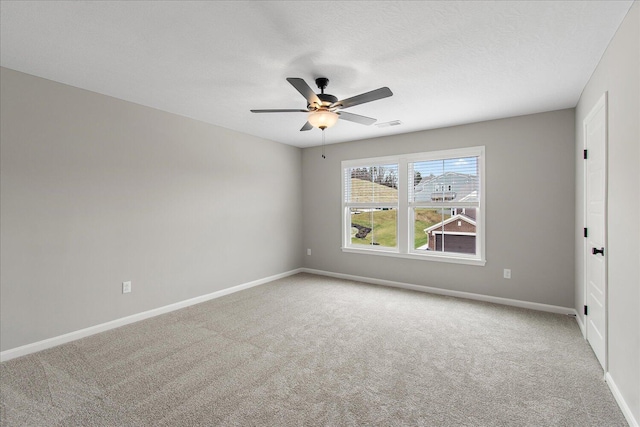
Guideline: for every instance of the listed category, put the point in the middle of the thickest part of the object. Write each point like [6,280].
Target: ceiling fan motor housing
[325,98]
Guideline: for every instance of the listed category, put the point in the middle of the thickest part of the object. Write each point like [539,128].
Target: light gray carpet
[309,350]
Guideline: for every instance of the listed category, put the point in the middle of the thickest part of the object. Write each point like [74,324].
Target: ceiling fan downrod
[322,83]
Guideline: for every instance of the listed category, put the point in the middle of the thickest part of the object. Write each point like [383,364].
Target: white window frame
[405,223]
[378,161]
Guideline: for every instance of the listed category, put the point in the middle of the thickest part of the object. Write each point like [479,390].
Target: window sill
[430,257]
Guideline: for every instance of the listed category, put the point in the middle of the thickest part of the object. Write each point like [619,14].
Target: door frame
[601,103]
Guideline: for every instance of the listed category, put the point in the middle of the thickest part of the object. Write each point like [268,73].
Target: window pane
[372,184]
[447,180]
[451,230]
[423,219]
[376,227]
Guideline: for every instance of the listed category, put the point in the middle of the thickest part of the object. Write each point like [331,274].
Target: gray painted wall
[529,216]
[618,74]
[96,191]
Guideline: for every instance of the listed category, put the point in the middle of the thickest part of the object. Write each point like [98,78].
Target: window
[422,206]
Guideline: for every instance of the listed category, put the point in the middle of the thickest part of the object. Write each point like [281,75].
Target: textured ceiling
[446,62]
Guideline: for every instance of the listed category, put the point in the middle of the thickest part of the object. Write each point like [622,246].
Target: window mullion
[370,205]
[445,205]
[403,207]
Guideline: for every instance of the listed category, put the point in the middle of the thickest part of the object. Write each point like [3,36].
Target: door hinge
[586,234]
[584,154]
[586,310]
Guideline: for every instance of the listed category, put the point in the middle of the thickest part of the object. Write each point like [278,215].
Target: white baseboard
[446,292]
[621,402]
[581,325]
[75,335]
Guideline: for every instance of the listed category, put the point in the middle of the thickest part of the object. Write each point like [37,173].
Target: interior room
[320,213]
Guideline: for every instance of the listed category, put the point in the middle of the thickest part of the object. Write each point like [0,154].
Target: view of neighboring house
[448,187]
[457,233]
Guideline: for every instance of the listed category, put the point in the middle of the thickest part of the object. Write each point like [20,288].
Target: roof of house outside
[447,221]
[449,187]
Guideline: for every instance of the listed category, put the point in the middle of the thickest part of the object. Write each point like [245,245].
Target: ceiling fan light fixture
[322,119]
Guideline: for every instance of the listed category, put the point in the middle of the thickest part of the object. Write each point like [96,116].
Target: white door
[595,134]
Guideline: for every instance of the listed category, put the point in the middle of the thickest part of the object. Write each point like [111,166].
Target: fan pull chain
[323,156]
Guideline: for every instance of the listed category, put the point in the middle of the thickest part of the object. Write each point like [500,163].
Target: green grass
[383,226]
[421,237]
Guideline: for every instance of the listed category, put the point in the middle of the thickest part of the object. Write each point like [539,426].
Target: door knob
[597,251]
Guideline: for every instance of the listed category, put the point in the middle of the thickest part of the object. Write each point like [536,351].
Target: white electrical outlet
[507,273]
[126,287]
[308,251]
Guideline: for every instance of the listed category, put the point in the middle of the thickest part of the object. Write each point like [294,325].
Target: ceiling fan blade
[374,95]
[304,89]
[363,120]
[307,126]
[279,111]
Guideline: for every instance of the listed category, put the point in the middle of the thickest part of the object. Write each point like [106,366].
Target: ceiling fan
[324,110]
